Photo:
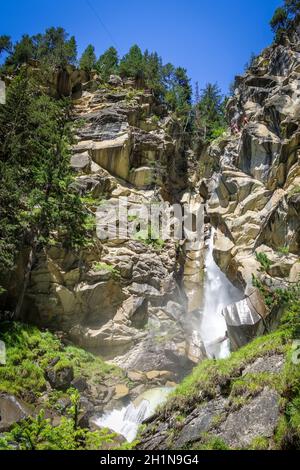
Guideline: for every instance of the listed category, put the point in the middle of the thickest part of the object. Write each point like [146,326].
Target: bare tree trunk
[19,307]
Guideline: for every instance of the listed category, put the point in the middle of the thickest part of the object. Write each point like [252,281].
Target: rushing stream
[212,333]
[218,294]
[127,420]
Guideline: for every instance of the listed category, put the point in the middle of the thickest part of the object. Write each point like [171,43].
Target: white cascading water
[218,294]
[127,420]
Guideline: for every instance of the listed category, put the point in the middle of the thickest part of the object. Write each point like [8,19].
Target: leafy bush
[264,261]
[29,352]
[39,434]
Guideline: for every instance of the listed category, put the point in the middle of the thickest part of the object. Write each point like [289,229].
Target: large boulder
[12,410]
[60,378]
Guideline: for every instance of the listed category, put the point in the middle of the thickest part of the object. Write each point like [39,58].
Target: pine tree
[22,52]
[5,44]
[55,49]
[108,63]
[88,59]
[279,22]
[210,112]
[178,94]
[34,153]
[153,73]
[284,18]
[132,64]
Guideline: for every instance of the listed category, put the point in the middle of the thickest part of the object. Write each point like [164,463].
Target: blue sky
[213,39]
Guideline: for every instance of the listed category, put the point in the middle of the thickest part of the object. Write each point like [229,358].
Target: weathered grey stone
[273,364]
[12,410]
[81,162]
[60,379]
[259,418]
[199,423]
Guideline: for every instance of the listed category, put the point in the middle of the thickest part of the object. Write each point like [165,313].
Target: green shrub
[39,434]
[264,261]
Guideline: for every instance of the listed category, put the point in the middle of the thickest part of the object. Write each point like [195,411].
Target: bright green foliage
[29,353]
[259,443]
[115,273]
[108,63]
[284,17]
[39,434]
[132,64]
[88,59]
[36,195]
[151,238]
[209,113]
[210,443]
[53,48]
[264,261]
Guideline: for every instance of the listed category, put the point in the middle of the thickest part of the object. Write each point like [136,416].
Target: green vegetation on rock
[30,352]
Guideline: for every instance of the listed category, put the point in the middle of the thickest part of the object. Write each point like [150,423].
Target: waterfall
[127,420]
[218,294]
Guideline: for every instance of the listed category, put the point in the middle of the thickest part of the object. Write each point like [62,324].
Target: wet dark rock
[12,410]
[80,384]
[60,379]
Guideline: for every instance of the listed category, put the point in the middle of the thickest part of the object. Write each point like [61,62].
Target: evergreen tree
[284,17]
[133,64]
[153,72]
[279,22]
[178,93]
[34,154]
[210,116]
[5,44]
[55,49]
[88,59]
[108,63]
[23,51]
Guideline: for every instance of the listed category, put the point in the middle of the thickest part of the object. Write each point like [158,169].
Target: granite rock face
[255,202]
[120,295]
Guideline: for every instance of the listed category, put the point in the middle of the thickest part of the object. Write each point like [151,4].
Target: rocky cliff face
[121,298]
[254,204]
[134,301]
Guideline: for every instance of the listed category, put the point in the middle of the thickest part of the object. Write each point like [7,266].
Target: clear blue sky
[213,39]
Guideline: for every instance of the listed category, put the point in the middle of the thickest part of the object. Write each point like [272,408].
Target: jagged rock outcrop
[233,420]
[120,297]
[255,206]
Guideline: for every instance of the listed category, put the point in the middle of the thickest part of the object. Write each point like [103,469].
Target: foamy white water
[127,420]
[218,294]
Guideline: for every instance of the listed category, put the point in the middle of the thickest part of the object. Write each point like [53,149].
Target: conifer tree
[133,64]
[34,153]
[88,59]
[210,120]
[108,63]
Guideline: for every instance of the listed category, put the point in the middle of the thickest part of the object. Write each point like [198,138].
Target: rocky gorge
[144,305]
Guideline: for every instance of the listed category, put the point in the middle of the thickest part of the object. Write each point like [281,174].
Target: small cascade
[127,420]
[218,294]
